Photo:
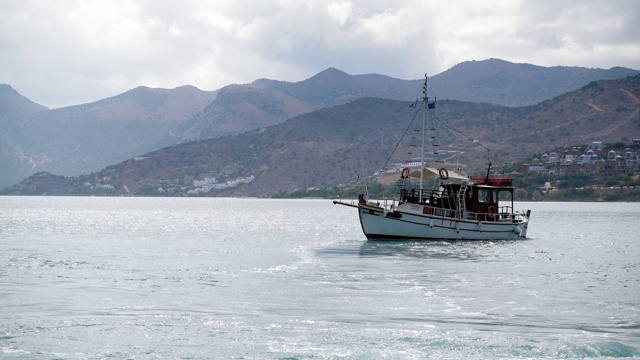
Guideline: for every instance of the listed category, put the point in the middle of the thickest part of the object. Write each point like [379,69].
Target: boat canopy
[432,174]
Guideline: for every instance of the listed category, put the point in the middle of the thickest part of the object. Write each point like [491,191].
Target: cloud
[66,52]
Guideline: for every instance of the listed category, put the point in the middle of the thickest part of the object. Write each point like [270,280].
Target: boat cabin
[475,200]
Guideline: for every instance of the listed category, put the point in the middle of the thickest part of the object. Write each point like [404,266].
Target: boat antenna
[486,179]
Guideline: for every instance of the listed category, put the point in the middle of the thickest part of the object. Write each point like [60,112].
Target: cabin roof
[482,186]
[433,173]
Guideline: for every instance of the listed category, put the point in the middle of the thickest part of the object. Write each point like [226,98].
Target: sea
[222,278]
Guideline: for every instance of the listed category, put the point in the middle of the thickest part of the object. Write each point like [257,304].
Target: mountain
[13,107]
[145,104]
[492,81]
[12,104]
[265,102]
[334,87]
[503,83]
[86,138]
[238,108]
[337,144]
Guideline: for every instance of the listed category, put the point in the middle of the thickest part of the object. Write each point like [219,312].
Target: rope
[399,141]
[490,157]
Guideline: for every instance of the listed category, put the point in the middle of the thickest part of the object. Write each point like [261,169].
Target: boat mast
[425,100]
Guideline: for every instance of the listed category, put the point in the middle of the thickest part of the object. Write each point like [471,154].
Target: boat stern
[521,230]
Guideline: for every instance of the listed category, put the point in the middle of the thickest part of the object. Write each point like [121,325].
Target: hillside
[13,140]
[334,145]
[86,138]
[238,109]
[503,83]
[12,104]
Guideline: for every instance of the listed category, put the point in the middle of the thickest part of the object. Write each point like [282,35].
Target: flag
[431,105]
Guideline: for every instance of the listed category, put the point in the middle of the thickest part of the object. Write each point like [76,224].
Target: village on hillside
[594,158]
[596,166]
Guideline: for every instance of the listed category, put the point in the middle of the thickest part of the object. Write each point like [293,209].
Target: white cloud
[340,11]
[63,53]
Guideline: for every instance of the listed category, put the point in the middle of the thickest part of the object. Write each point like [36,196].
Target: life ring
[444,174]
[491,210]
[405,173]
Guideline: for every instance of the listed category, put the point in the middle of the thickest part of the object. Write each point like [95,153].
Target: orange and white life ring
[405,173]
[444,174]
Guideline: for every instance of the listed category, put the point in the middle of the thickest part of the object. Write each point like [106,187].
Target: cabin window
[483,196]
[487,196]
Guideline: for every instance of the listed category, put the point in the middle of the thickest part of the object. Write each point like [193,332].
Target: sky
[61,53]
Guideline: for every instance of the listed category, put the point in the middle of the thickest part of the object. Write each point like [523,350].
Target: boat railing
[388,203]
[434,202]
[443,205]
[385,202]
[419,195]
[504,214]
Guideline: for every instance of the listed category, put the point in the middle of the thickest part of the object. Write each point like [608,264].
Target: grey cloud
[64,53]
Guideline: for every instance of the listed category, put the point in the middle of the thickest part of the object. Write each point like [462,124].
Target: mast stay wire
[490,157]
[432,114]
[400,141]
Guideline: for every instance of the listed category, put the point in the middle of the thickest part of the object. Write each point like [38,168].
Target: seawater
[184,278]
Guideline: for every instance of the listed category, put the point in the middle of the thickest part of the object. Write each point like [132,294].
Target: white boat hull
[376,224]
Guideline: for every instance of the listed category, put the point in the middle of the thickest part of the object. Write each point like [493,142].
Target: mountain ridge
[338,144]
[13,103]
[85,138]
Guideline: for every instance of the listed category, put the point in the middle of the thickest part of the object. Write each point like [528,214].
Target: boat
[454,207]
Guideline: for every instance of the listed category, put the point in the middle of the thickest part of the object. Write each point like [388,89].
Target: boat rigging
[455,207]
